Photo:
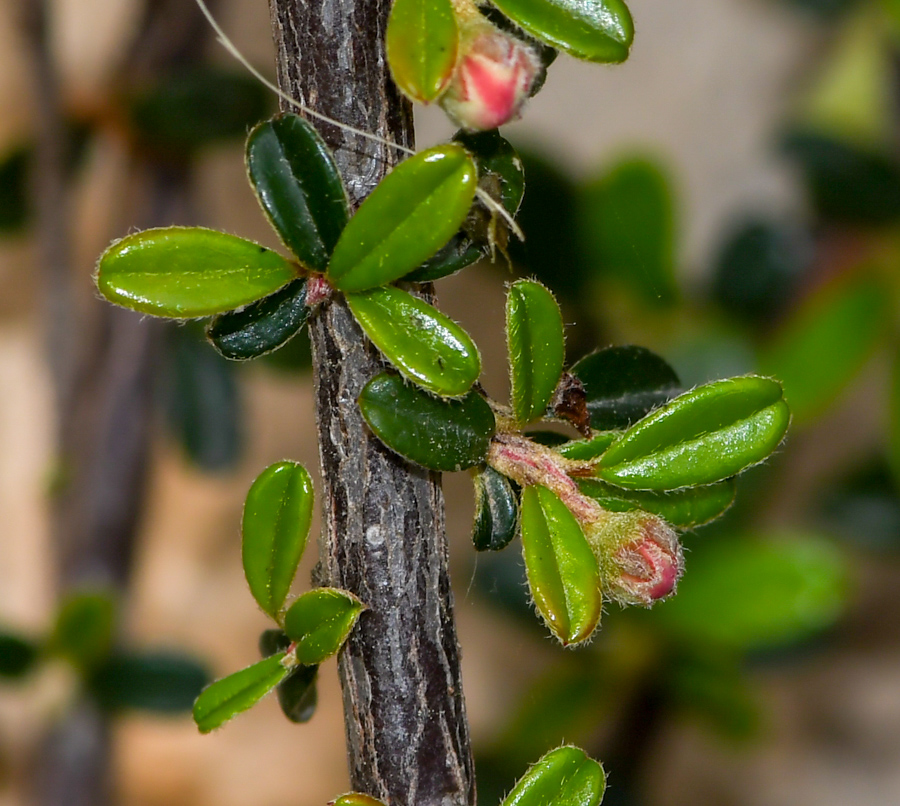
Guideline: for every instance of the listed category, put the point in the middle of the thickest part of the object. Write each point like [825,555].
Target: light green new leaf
[275,527]
[422,41]
[231,695]
[563,777]
[320,621]
[188,272]
[412,213]
[537,350]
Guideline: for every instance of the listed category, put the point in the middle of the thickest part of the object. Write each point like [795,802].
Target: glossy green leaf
[18,655]
[356,799]
[161,682]
[587,449]
[825,343]
[422,41]
[226,698]
[188,272]
[83,633]
[412,213]
[424,345]
[623,384]
[764,593]
[684,509]
[700,437]
[495,156]
[298,694]
[496,511]
[460,251]
[260,327]
[320,621]
[439,434]
[562,570]
[594,30]
[299,187]
[277,516]
[537,348]
[563,777]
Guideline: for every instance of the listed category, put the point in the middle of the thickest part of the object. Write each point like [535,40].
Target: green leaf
[700,437]
[587,449]
[825,343]
[495,157]
[356,799]
[439,434]
[424,345]
[563,777]
[261,327]
[226,698]
[496,511]
[628,220]
[161,682]
[764,593]
[684,509]
[320,621]
[412,213]
[83,633]
[460,251]
[422,41]
[623,384]
[298,694]
[18,656]
[188,272]
[537,348]
[299,187]
[277,516]
[562,570]
[594,30]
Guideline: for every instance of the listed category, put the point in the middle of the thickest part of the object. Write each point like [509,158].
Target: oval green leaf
[563,777]
[231,695]
[299,187]
[495,156]
[261,327]
[188,272]
[412,213]
[537,348]
[594,30]
[562,571]
[444,435]
[460,251]
[700,437]
[422,41]
[496,511]
[427,347]
[298,694]
[277,516]
[320,621]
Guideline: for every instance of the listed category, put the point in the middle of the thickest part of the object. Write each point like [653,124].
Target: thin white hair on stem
[495,207]
[232,49]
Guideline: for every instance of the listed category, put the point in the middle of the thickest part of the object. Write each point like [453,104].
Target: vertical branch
[383,536]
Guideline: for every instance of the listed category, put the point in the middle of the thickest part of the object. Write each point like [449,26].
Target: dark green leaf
[188,272]
[494,155]
[271,642]
[320,621]
[437,434]
[277,516]
[496,511]
[18,655]
[460,251]
[298,694]
[299,187]
[14,189]
[83,633]
[424,345]
[262,326]
[563,777]
[412,213]
[623,384]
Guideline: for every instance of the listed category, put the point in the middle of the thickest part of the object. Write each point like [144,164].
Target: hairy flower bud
[639,555]
[493,78]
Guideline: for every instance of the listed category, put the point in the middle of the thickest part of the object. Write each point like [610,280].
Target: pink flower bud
[493,78]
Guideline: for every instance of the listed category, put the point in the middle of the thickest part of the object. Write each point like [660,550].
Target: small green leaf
[262,326]
[439,434]
[84,628]
[537,348]
[496,510]
[320,621]
[424,345]
[161,682]
[275,528]
[700,437]
[562,570]
[356,799]
[495,156]
[587,449]
[298,694]
[422,41]
[188,272]
[271,642]
[299,187]
[460,251]
[684,509]
[623,384]
[594,30]
[563,777]
[226,698]
[412,213]
[18,656]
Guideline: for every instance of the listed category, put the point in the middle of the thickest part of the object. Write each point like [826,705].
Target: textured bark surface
[383,536]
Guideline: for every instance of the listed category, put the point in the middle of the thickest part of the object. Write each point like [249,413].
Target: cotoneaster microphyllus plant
[598,513]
